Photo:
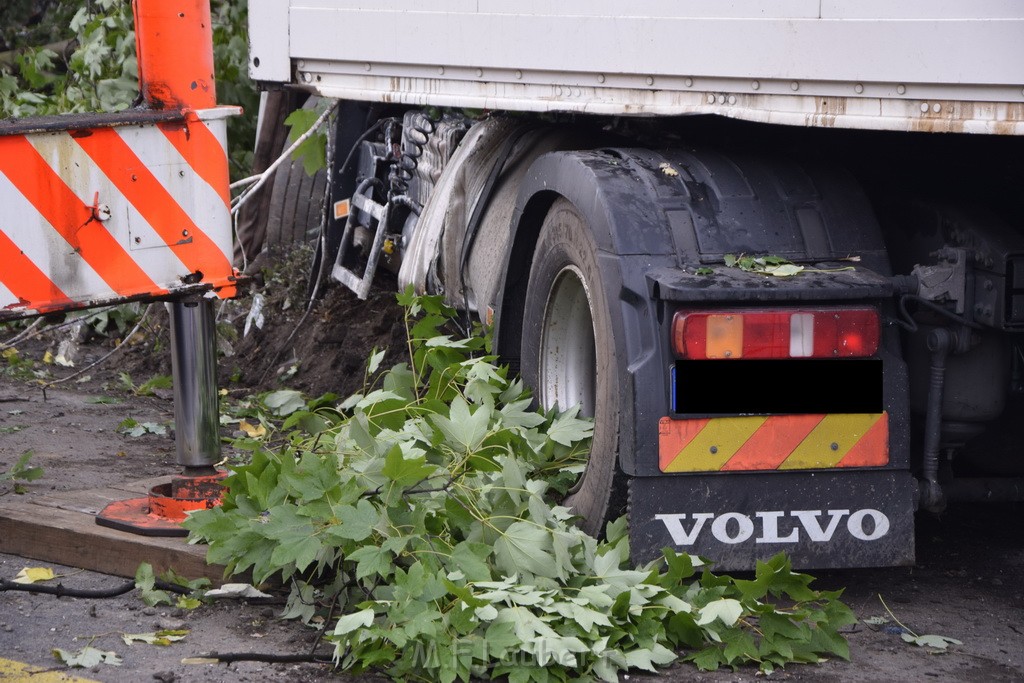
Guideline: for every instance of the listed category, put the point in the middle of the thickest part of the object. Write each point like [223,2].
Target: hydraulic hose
[940,342]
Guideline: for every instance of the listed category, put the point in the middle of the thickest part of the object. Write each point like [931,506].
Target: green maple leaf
[726,610]
[708,659]
[471,559]
[784,270]
[567,429]
[582,615]
[371,561]
[355,522]
[87,657]
[649,659]
[164,637]
[463,430]
[284,402]
[296,542]
[526,548]
[405,471]
[353,622]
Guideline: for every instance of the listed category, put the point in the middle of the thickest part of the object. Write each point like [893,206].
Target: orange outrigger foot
[166,507]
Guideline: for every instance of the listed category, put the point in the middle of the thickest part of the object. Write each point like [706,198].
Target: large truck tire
[295,205]
[568,355]
[287,209]
[296,201]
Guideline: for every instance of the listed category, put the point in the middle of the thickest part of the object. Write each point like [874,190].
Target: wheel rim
[568,354]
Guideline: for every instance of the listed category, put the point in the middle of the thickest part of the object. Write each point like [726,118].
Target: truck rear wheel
[568,355]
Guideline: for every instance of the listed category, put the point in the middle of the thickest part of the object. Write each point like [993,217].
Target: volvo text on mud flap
[771,527]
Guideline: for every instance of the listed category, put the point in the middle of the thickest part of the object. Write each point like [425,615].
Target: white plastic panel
[269,58]
[762,60]
[920,9]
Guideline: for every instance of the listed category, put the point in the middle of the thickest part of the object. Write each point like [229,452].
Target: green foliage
[87,658]
[32,22]
[20,472]
[163,637]
[776,266]
[934,642]
[284,402]
[19,367]
[423,515]
[131,427]
[147,388]
[768,265]
[115,320]
[101,73]
[147,585]
[313,150]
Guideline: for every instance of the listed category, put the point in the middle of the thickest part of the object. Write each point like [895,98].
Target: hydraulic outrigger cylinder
[175,52]
[196,438]
[102,209]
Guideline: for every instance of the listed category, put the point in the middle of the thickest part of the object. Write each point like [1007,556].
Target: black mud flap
[821,520]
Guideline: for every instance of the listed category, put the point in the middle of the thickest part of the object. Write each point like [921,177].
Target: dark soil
[330,349]
[322,351]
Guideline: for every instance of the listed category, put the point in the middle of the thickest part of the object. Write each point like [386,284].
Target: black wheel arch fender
[630,234]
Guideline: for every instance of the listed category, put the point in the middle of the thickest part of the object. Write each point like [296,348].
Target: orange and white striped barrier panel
[98,209]
[104,208]
[774,442]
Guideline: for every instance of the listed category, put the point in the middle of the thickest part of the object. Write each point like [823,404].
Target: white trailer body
[915,66]
[599,179]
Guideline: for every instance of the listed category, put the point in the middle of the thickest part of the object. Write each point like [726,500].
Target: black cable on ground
[60,591]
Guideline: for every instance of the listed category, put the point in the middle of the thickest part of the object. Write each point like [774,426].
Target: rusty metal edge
[7,315]
[62,122]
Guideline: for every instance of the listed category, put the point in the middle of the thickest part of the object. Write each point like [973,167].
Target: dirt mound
[319,352]
[329,350]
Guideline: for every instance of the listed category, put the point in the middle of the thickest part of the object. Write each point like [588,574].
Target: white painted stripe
[7,297]
[46,248]
[201,202]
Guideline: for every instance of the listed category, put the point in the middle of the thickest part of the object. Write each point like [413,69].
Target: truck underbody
[609,224]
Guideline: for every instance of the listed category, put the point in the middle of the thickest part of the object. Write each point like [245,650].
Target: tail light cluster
[781,333]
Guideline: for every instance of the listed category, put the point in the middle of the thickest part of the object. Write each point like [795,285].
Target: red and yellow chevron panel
[106,208]
[774,442]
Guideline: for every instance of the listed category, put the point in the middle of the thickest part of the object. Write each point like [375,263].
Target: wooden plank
[61,529]
[91,501]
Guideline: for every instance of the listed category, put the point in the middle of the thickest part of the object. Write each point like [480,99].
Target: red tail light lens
[788,333]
